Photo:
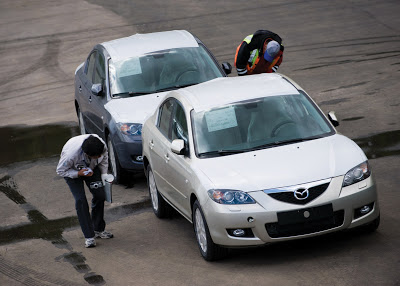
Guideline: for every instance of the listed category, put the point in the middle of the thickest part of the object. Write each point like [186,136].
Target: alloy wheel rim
[112,158]
[81,124]
[200,231]
[153,191]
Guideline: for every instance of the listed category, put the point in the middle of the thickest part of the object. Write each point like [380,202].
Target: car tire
[372,226]
[208,249]
[115,167]
[160,207]
[82,127]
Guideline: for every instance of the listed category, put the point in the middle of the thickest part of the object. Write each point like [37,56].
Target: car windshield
[161,71]
[258,124]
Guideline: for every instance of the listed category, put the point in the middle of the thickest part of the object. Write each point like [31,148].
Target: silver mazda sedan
[122,81]
[253,160]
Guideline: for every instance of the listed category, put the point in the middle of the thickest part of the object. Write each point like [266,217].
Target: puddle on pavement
[9,188]
[24,143]
[94,279]
[353,118]
[380,145]
[78,261]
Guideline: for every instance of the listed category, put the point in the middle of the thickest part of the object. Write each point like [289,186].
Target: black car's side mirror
[97,89]
[227,67]
[333,119]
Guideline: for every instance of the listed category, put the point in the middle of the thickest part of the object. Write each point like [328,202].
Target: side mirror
[178,146]
[227,67]
[333,119]
[97,89]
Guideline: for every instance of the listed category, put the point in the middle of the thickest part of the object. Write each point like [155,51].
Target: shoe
[90,242]
[103,234]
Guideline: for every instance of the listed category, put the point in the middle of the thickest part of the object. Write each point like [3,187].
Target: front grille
[288,196]
[276,230]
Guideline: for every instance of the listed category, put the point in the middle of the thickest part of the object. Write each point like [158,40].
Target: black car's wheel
[82,127]
[115,167]
[160,207]
[208,249]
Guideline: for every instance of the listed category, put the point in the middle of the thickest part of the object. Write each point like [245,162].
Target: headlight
[357,174]
[130,128]
[230,197]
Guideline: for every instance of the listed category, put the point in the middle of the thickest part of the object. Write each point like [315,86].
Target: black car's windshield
[257,124]
[161,71]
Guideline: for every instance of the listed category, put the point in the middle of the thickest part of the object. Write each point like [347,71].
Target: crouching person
[84,158]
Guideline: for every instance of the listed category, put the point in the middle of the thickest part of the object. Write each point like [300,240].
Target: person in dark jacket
[261,52]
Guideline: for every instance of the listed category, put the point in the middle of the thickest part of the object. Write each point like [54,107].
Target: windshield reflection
[161,71]
[258,124]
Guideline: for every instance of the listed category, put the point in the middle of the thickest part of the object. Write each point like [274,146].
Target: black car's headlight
[130,128]
[357,174]
[230,197]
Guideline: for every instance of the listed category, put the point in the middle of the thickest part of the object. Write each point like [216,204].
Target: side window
[164,118]
[179,124]
[100,72]
[90,66]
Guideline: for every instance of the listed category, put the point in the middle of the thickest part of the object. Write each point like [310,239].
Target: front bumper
[258,218]
[129,152]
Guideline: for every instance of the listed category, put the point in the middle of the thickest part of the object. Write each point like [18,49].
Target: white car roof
[140,44]
[223,91]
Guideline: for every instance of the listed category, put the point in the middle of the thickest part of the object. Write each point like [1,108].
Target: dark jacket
[257,42]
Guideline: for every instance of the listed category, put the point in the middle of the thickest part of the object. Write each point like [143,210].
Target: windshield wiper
[221,152]
[131,93]
[175,87]
[284,142]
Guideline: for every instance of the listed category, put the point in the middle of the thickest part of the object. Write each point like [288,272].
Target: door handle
[166,156]
[151,144]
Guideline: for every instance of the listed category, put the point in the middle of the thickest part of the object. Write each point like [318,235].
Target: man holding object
[84,158]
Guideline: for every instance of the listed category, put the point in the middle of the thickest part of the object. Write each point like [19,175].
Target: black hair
[92,146]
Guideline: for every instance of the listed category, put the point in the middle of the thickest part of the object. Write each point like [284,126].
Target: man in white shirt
[84,158]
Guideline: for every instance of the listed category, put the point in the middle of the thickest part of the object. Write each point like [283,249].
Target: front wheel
[208,249]
[160,207]
[372,226]
[115,167]
[82,127]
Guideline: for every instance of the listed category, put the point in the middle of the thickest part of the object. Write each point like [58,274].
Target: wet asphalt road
[346,54]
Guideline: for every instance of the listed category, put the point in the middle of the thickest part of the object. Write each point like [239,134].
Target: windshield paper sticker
[130,67]
[221,119]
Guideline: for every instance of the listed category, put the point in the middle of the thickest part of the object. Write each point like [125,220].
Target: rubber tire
[114,166]
[208,249]
[82,128]
[372,226]
[160,207]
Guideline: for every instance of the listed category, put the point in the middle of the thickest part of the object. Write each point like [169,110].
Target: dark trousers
[95,222]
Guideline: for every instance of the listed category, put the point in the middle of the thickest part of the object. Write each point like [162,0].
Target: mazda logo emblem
[301,194]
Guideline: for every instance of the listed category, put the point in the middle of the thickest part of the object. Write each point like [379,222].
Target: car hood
[284,165]
[134,109]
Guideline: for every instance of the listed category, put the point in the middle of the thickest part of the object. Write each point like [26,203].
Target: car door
[178,173]
[158,142]
[92,106]
[84,86]
[96,110]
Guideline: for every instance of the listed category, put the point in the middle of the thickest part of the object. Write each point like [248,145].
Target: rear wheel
[82,127]
[115,167]
[208,249]
[160,207]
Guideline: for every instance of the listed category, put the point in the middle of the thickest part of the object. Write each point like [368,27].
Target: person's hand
[85,172]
